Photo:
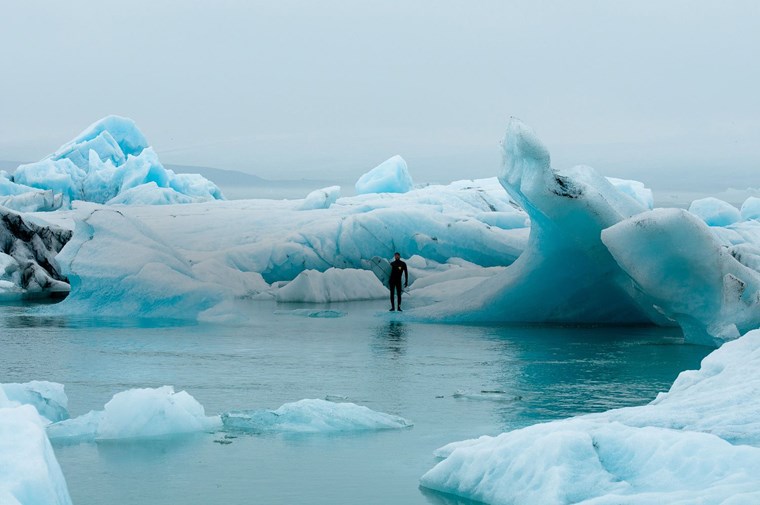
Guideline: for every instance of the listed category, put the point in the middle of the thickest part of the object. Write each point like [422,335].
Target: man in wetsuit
[397,268]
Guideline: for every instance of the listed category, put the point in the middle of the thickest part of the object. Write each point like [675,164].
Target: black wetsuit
[397,268]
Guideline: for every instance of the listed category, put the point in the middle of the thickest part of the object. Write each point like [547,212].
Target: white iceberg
[698,443]
[48,398]
[390,176]
[109,162]
[679,267]
[137,413]
[750,208]
[313,416]
[321,198]
[332,285]
[29,471]
[715,212]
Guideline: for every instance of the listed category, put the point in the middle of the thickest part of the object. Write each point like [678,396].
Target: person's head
[396,256]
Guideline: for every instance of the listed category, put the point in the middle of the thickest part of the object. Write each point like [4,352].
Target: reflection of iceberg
[678,449]
[313,416]
[137,413]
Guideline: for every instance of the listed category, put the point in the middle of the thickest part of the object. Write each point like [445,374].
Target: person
[397,268]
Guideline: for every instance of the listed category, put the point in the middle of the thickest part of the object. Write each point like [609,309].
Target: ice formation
[390,176]
[109,162]
[750,209]
[28,267]
[137,413]
[313,416]
[333,285]
[566,274]
[48,398]
[715,212]
[698,443]
[29,471]
[321,198]
[183,260]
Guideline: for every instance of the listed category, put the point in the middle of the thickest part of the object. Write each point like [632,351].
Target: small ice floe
[494,395]
[314,313]
[313,416]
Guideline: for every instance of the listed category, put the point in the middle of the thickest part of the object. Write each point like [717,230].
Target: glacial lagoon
[452,381]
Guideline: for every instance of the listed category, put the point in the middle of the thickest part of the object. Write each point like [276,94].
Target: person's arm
[406,276]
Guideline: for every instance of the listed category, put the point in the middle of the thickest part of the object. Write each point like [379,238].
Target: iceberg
[679,267]
[109,162]
[29,471]
[28,267]
[390,176]
[137,413]
[698,443]
[182,261]
[313,416]
[715,212]
[565,274]
[332,285]
[750,209]
[48,398]
[321,198]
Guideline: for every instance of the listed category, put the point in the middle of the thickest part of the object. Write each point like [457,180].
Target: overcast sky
[661,91]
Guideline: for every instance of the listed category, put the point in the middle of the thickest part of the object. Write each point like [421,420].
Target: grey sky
[661,91]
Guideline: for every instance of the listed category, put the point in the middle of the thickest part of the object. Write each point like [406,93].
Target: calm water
[394,366]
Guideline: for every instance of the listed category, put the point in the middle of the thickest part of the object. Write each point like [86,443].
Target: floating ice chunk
[684,447]
[29,471]
[333,285]
[48,398]
[751,208]
[321,198]
[140,275]
[715,212]
[313,416]
[635,190]
[390,176]
[138,413]
[679,267]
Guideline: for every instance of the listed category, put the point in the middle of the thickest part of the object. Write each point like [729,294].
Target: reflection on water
[391,338]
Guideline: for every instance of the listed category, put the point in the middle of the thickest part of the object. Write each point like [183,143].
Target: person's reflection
[391,339]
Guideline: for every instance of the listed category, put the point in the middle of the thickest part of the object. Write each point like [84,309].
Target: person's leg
[393,307]
[398,294]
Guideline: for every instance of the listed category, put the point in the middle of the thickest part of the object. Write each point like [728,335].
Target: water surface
[453,382]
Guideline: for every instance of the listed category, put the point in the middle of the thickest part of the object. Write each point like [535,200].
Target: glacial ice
[48,398]
[676,264]
[715,212]
[750,209]
[28,267]
[180,261]
[698,443]
[333,285]
[390,176]
[321,198]
[109,162]
[29,471]
[312,416]
[566,274]
[137,413]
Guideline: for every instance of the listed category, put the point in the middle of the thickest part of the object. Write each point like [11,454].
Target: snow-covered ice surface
[109,162]
[313,416]
[48,398]
[698,443]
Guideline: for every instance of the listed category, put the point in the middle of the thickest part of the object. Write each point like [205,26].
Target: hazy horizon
[665,93]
